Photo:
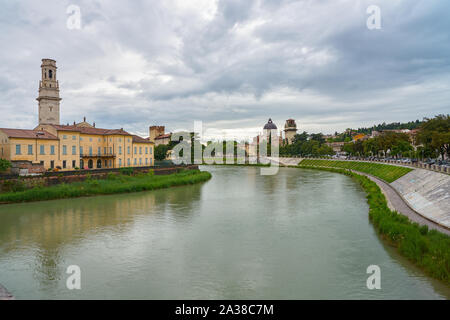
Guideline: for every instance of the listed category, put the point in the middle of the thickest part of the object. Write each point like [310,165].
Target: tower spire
[49,100]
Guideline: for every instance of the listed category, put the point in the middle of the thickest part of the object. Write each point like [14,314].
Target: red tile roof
[164,136]
[88,130]
[138,139]
[28,134]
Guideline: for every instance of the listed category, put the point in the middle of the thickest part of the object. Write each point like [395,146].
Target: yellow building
[67,147]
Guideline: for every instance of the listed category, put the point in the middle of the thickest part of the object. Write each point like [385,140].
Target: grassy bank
[383,171]
[113,184]
[428,249]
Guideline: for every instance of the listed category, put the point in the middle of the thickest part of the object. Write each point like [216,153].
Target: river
[300,234]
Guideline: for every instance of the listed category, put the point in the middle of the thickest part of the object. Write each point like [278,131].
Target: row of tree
[305,144]
[432,141]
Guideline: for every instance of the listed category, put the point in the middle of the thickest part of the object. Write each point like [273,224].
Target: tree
[434,134]
[4,165]
[301,137]
[318,137]
[161,152]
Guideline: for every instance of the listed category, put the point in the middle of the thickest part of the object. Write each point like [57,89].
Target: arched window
[81,164]
[50,74]
[90,164]
[99,164]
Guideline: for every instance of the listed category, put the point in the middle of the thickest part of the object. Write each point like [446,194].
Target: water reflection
[299,234]
[48,227]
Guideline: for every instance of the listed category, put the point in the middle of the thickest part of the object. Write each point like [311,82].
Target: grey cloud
[150,62]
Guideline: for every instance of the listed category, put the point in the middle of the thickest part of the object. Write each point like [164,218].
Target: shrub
[4,165]
[126,171]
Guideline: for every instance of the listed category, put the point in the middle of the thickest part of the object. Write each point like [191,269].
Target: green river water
[300,234]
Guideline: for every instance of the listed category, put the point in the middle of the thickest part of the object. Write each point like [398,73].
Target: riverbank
[428,249]
[385,172]
[113,184]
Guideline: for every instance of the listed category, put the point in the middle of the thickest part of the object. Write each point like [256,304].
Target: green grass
[385,172]
[113,184]
[428,249]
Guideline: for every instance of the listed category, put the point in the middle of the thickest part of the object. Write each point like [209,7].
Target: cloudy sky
[231,64]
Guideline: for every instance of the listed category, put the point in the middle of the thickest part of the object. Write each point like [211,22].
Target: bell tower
[48,99]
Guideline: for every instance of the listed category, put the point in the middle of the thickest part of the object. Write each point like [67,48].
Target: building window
[81,139]
[104,150]
[99,150]
[146,150]
[90,151]
[41,163]
[146,161]
[110,150]
[81,151]
[140,161]
[90,139]
[74,137]
[74,150]
[140,150]
[81,164]
[129,162]
[64,150]
[64,164]
[151,150]
[128,149]
[42,149]
[120,150]
[135,161]
[135,150]
[52,164]
[52,150]
[64,137]
[106,163]
[90,164]
[18,149]
[120,162]
[50,74]
[74,164]
[99,164]
[30,149]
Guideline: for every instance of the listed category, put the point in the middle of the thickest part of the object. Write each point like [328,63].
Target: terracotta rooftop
[138,139]
[28,134]
[164,136]
[88,130]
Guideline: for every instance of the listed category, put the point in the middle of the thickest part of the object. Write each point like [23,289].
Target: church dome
[270,125]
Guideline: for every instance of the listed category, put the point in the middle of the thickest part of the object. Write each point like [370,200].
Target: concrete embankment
[4,294]
[428,193]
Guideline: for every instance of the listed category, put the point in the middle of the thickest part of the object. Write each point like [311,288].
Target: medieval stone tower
[49,99]
[290,130]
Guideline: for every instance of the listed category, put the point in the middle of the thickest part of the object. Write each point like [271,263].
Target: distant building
[290,130]
[360,136]
[336,146]
[158,135]
[269,134]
